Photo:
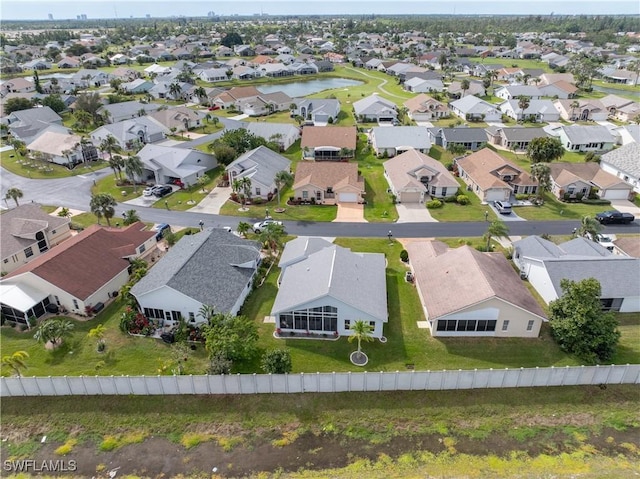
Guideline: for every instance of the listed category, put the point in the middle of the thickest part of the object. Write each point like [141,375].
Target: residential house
[476,89]
[412,176]
[551,78]
[617,105]
[69,62]
[25,125]
[581,110]
[70,277]
[129,132]
[26,232]
[328,183]
[374,108]
[265,104]
[163,90]
[327,291]
[391,141]
[493,178]
[60,147]
[284,134]
[335,143]
[545,264]
[233,96]
[540,111]
[561,89]
[125,110]
[511,92]
[423,108]
[516,138]
[139,85]
[472,108]
[624,163]
[470,138]
[87,78]
[211,268]
[577,180]
[166,164]
[318,111]
[584,137]
[260,165]
[628,246]
[213,75]
[466,293]
[179,118]
[622,76]
[37,64]
[16,85]
[419,85]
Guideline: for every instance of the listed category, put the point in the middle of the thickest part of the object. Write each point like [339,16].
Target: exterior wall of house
[633,181]
[511,321]
[345,312]
[630,305]
[602,146]
[103,294]
[539,278]
[168,299]
[577,187]
[19,258]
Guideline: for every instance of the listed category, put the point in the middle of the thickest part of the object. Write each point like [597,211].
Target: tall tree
[201,93]
[16,362]
[545,149]
[589,226]
[496,228]
[91,103]
[54,102]
[175,90]
[103,206]
[282,179]
[523,104]
[464,85]
[116,163]
[234,337]
[14,193]
[578,323]
[110,145]
[542,174]
[83,120]
[272,236]
[361,331]
[17,104]
[133,168]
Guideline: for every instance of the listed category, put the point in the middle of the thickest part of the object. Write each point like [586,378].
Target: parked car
[214,107]
[161,228]
[260,225]
[148,191]
[615,217]
[604,240]
[503,207]
[161,191]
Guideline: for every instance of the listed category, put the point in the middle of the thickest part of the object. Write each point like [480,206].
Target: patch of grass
[553,209]
[111,442]
[228,444]
[108,185]
[37,169]
[288,438]
[66,448]
[193,439]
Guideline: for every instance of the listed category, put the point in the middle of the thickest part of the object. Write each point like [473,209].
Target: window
[347,324]
[433,191]
[75,304]
[305,194]
[505,325]
[318,195]
[28,252]
[372,325]
[444,191]
[530,325]
[142,249]
[257,191]
[192,316]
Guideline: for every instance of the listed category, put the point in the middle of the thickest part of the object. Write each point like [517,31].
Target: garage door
[615,195]
[410,197]
[348,198]
[494,195]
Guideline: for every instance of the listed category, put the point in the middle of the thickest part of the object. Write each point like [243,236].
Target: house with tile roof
[577,180]
[26,232]
[624,163]
[71,276]
[234,95]
[260,165]
[467,293]
[180,117]
[545,264]
[213,267]
[331,143]
[412,176]
[493,178]
[325,289]
[388,141]
[328,183]
[424,108]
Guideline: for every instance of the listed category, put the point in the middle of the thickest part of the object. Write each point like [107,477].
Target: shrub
[450,199]
[521,197]
[66,448]
[462,200]
[33,321]
[257,200]
[433,204]
[404,255]
[449,165]
[277,361]
[220,364]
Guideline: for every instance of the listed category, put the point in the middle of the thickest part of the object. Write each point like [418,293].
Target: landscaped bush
[450,199]
[434,204]
[522,197]
[463,200]
[404,255]
[257,200]
[596,201]
[135,322]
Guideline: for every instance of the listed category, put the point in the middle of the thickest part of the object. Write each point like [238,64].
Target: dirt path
[158,457]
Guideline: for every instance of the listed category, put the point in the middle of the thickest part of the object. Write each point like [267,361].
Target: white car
[149,190]
[260,225]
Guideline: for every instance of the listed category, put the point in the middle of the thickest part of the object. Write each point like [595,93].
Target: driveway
[350,213]
[213,201]
[626,207]
[413,213]
[510,217]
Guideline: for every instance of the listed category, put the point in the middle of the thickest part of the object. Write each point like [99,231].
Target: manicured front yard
[553,209]
[15,163]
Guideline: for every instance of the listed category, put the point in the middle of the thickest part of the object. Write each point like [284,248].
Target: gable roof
[424,103]
[356,279]
[328,174]
[565,173]
[472,104]
[453,279]
[54,142]
[626,158]
[518,133]
[212,267]
[581,134]
[172,158]
[373,104]
[403,171]
[395,136]
[260,164]
[127,109]
[300,248]
[460,134]
[337,136]
[73,267]
[481,165]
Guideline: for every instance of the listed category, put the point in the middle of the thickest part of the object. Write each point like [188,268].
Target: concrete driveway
[350,213]
[510,217]
[213,201]
[413,213]
[626,207]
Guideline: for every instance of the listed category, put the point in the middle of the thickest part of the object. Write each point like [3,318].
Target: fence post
[333,381]
[519,377]
[24,391]
[318,382]
[349,381]
[564,375]
[161,385]
[364,382]
[504,375]
[411,380]
[286,382]
[395,381]
[66,380]
[53,386]
[301,382]
[224,382]
[193,384]
[473,379]
[255,383]
[609,374]
[99,384]
[130,384]
[84,386]
[270,383]
[239,383]
[381,374]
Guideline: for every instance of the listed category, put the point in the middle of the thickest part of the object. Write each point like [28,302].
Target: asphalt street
[75,192]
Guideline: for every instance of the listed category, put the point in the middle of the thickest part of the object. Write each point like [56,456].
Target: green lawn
[474,211]
[37,169]
[108,185]
[553,209]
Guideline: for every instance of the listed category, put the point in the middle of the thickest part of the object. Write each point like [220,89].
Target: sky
[39,9]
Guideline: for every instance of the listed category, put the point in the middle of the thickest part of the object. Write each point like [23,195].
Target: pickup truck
[614,216]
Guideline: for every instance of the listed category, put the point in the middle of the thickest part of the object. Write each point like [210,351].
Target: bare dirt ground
[158,457]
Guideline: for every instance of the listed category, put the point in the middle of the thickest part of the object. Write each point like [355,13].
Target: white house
[325,291]
[213,267]
[624,162]
[260,165]
[165,164]
[585,137]
[59,147]
[473,108]
[284,134]
[391,141]
[536,110]
[374,108]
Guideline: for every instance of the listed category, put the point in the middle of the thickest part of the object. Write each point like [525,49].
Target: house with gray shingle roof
[326,291]
[129,132]
[546,264]
[466,293]
[472,108]
[536,110]
[624,162]
[391,141]
[115,112]
[284,134]
[319,111]
[470,138]
[260,165]
[27,124]
[213,267]
[584,137]
[165,164]
[374,108]
[515,137]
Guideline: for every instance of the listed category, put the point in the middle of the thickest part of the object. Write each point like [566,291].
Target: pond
[617,91]
[299,89]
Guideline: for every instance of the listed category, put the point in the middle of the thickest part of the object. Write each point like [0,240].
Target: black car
[614,216]
[161,191]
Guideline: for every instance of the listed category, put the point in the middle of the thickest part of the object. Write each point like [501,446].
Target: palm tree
[215,120]
[281,179]
[271,236]
[361,332]
[243,228]
[110,145]
[14,193]
[103,205]
[116,162]
[207,312]
[542,174]
[575,104]
[175,91]
[98,333]
[200,93]
[133,168]
[245,184]
[523,104]
[464,85]
[53,331]
[16,362]
[496,228]
[130,217]
[589,226]
[64,212]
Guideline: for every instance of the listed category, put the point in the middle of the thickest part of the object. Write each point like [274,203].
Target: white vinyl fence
[319,382]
